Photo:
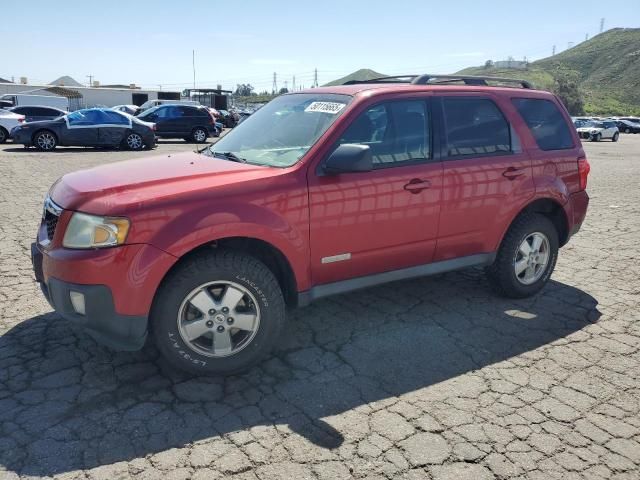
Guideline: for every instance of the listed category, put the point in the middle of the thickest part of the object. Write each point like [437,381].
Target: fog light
[77,300]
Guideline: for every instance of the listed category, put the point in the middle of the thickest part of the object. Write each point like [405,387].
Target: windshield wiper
[230,156]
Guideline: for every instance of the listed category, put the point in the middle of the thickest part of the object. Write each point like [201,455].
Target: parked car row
[596,128]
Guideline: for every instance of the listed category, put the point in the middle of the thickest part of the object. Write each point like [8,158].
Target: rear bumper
[578,203]
[117,286]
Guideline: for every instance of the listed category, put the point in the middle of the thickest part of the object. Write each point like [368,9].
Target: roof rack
[434,79]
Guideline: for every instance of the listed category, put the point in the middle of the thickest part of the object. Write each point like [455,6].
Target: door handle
[512,173]
[416,185]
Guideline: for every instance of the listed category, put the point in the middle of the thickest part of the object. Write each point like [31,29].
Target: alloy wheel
[46,141]
[134,141]
[200,135]
[531,258]
[218,319]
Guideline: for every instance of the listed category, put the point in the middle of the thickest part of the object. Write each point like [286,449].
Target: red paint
[179,202]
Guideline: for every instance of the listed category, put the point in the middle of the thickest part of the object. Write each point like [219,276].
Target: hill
[66,81]
[362,74]
[606,69]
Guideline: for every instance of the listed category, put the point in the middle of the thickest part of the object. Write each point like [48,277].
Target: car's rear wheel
[526,258]
[627,130]
[3,135]
[199,135]
[218,313]
[45,141]
[597,137]
[615,137]
[134,141]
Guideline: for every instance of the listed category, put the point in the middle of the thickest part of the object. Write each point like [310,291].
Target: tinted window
[546,123]
[191,112]
[475,126]
[114,118]
[396,132]
[168,112]
[84,118]
[50,112]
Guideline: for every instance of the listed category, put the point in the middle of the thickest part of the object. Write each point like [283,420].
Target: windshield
[282,131]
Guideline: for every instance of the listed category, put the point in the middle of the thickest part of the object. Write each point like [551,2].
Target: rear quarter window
[546,123]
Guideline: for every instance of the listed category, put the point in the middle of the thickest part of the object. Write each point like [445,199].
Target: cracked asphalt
[434,378]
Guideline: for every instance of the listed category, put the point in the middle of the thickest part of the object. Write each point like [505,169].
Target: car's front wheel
[615,137]
[3,135]
[134,141]
[627,130]
[218,313]
[45,141]
[526,258]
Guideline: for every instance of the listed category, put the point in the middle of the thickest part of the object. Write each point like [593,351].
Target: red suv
[317,193]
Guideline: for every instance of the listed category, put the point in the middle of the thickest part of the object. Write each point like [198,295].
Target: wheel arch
[35,134]
[274,259]
[551,209]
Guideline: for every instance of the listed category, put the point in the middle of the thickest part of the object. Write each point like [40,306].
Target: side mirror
[348,158]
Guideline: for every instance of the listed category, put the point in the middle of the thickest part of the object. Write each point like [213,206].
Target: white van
[23,99]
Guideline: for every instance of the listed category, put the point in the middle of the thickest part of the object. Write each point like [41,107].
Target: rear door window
[475,127]
[547,125]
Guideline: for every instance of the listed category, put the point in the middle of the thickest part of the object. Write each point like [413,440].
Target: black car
[93,127]
[627,126]
[37,113]
[194,123]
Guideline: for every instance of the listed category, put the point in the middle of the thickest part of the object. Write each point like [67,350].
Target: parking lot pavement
[432,378]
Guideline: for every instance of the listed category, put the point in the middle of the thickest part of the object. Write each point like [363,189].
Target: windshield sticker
[325,107]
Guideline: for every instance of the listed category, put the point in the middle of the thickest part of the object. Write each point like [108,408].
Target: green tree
[566,88]
[244,90]
[283,90]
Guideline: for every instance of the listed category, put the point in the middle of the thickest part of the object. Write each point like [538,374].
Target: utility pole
[602,25]
[90,77]
[293,84]
[315,78]
[553,52]
[586,37]
[274,88]
[193,64]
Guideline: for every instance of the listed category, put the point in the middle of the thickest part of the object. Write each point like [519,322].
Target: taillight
[154,128]
[583,170]
[20,119]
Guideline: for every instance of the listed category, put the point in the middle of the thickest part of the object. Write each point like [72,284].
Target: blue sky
[149,42]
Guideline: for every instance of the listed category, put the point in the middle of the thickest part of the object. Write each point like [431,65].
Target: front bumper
[116,301]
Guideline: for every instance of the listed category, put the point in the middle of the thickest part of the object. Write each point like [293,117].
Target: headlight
[89,231]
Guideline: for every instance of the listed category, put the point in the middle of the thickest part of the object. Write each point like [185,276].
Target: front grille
[50,221]
[50,217]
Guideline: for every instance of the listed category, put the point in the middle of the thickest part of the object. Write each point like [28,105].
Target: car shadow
[67,403]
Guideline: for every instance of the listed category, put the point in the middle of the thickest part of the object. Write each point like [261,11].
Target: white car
[595,130]
[8,120]
[130,109]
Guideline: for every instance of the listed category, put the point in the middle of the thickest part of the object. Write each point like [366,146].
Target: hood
[118,187]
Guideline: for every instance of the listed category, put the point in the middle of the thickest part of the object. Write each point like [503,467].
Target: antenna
[274,88]
[602,25]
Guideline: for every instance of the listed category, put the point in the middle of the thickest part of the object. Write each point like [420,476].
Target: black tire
[501,273]
[627,130]
[199,135]
[41,145]
[597,137]
[133,141]
[615,137]
[3,135]
[221,265]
